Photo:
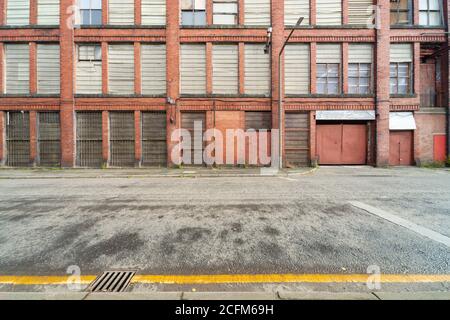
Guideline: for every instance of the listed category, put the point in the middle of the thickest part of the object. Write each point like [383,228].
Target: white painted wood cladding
[48,70]
[121,69]
[17,12]
[153,64]
[225,69]
[257,12]
[293,9]
[360,12]
[17,68]
[329,12]
[401,52]
[89,73]
[360,53]
[193,69]
[296,66]
[328,53]
[48,12]
[153,12]
[257,70]
[121,12]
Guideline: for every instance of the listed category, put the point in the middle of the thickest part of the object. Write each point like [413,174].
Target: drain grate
[112,281]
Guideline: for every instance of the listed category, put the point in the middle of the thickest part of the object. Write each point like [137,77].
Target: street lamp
[280,98]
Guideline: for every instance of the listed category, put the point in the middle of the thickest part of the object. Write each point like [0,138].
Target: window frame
[339,76]
[90,45]
[409,78]
[234,14]
[90,10]
[428,11]
[409,11]
[369,77]
[193,11]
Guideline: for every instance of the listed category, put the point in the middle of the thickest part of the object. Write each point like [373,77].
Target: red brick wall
[428,124]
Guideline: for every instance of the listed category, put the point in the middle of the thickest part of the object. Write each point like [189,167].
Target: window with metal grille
[193,12]
[359,78]
[89,139]
[401,12]
[18,139]
[154,148]
[225,12]
[90,12]
[400,78]
[49,145]
[121,126]
[328,78]
[258,120]
[430,12]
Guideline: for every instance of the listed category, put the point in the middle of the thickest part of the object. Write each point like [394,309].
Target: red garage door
[401,148]
[342,143]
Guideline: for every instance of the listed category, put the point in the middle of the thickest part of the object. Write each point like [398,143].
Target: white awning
[345,115]
[401,121]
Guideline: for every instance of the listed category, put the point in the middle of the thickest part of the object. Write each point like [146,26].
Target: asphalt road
[299,224]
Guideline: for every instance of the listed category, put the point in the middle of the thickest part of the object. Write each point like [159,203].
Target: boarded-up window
[89,139]
[193,69]
[257,70]
[225,69]
[121,126]
[258,120]
[257,12]
[297,138]
[153,12]
[153,64]
[294,9]
[89,69]
[121,68]
[17,12]
[48,12]
[48,68]
[121,12]
[329,12]
[154,148]
[17,139]
[49,145]
[296,68]
[225,12]
[17,68]
[360,12]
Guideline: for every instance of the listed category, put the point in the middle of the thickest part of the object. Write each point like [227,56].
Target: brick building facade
[112,90]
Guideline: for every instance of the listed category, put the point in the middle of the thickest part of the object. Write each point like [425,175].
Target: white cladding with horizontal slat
[48,12]
[121,68]
[328,53]
[153,12]
[329,12]
[257,70]
[293,9]
[48,74]
[360,53]
[17,73]
[17,12]
[193,69]
[360,12]
[153,69]
[89,73]
[121,12]
[296,68]
[401,52]
[225,69]
[257,12]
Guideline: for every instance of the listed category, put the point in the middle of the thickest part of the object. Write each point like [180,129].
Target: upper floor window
[400,78]
[401,12]
[328,78]
[193,13]
[359,78]
[225,12]
[90,12]
[89,53]
[430,13]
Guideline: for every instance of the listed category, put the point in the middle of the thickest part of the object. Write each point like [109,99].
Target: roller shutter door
[153,64]
[360,12]
[48,71]
[154,147]
[17,12]
[18,139]
[121,126]
[121,12]
[193,69]
[153,12]
[48,12]
[188,120]
[297,139]
[89,139]
[329,12]
[225,69]
[293,9]
[17,68]
[258,120]
[296,69]
[257,12]
[121,69]
[49,145]
[257,70]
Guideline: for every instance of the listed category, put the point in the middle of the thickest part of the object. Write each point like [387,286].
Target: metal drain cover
[112,281]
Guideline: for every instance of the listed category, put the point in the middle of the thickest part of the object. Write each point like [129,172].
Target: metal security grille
[89,139]
[297,138]
[121,126]
[258,120]
[49,144]
[154,148]
[188,120]
[112,281]
[18,139]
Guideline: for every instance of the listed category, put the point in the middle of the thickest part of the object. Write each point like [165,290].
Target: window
[430,13]
[90,12]
[193,13]
[400,78]
[359,75]
[17,12]
[225,11]
[401,12]
[90,53]
[328,78]
[89,69]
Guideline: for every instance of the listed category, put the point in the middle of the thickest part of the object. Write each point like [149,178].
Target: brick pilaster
[137,138]
[137,69]
[105,137]
[2,138]
[345,67]
[312,137]
[416,69]
[33,68]
[104,68]
[2,13]
[105,17]
[2,57]
[241,12]
[33,12]
[312,12]
[33,138]
[344,16]
[313,67]
[209,68]
[137,12]
[416,12]
[241,67]
[209,12]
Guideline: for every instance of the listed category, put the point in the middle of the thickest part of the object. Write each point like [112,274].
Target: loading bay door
[18,139]
[297,138]
[154,146]
[121,125]
[401,148]
[188,120]
[89,139]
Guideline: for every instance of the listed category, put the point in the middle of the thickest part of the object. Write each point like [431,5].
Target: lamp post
[280,98]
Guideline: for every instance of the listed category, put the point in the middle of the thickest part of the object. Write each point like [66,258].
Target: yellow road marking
[236,278]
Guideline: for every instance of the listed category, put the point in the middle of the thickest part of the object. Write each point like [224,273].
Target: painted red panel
[401,148]
[329,143]
[439,143]
[354,144]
